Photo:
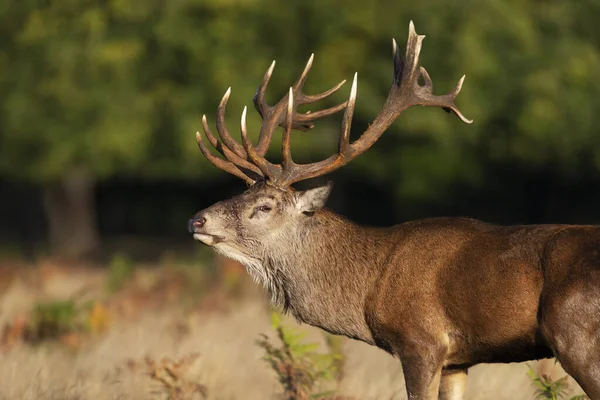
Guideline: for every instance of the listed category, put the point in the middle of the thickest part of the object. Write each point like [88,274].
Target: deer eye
[264,208]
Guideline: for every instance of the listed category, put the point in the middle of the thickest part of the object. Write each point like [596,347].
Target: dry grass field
[175,312]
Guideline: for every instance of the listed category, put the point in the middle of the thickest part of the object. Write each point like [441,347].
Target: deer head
[262,227]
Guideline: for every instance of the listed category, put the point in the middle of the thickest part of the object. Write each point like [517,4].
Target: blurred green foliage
[119,86]
[65,320]
[53,319]
[301,370]
[547,388]
[120,270]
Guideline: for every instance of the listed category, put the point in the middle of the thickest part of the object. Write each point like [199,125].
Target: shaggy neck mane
[324,273]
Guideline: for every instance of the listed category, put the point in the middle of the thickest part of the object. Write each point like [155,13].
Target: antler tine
[407,69]
[268,170]
[222,127]
[398,61]
[302,78]
[450,98]
[313,98]
[224,165]
[344,143]
[228,154]
[286,154]
[307,118]
[260,103]
[428,81]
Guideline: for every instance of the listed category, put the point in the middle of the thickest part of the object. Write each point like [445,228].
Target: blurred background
[100,101]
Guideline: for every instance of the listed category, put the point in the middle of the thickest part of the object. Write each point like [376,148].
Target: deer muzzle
[195,224]
[197,227]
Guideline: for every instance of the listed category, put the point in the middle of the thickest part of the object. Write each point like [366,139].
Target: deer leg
[580,357]
[453,384]
[588,376]
[570,322]
[422,375]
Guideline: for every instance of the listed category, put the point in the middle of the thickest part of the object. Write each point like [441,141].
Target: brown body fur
[475,287]
[459,290]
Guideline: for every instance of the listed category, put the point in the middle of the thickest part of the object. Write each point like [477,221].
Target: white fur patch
[206,239]
[253,266]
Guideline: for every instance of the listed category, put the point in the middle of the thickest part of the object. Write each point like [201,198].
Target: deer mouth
[209,240]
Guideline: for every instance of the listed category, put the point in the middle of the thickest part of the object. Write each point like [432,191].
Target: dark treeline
[100,100]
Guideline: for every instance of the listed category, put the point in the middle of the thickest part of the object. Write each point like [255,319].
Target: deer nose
[196,223]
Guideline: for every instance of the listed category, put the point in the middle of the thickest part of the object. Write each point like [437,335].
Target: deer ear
[312,200]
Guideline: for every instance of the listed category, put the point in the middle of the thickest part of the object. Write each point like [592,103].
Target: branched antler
[237,161]
[249,162]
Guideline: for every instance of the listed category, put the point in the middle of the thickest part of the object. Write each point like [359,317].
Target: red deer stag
[441,294]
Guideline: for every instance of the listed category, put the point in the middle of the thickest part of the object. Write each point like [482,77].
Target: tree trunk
[71,212]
